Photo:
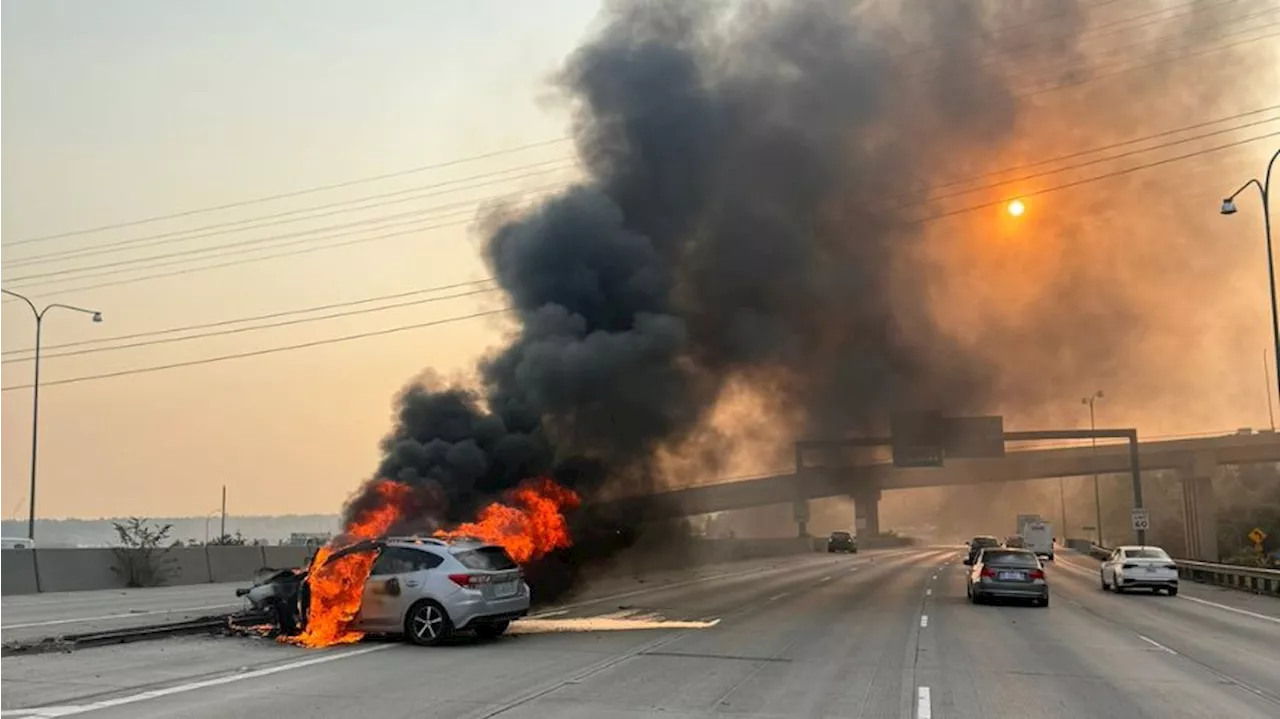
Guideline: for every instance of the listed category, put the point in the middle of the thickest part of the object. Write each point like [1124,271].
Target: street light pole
[1229,208]
[35,394]
[1097,495]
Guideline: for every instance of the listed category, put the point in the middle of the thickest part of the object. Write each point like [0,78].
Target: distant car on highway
[842,542]
[1139,567]
[1015,541]
[977,544]
[1009,574]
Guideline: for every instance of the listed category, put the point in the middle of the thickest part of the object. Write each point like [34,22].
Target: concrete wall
[72,570]
[69,570]
[18,571]
[63,570]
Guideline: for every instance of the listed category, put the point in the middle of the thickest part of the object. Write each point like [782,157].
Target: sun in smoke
[1016,208]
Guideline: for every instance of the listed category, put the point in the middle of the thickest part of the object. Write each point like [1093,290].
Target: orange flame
[338,587]
[528,524]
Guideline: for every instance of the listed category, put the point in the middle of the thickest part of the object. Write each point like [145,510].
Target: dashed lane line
[924,706]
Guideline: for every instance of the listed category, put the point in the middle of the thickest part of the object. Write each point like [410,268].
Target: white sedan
[1132,567]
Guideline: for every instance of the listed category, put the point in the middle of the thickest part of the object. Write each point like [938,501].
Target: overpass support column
[866,511]
[1200,507]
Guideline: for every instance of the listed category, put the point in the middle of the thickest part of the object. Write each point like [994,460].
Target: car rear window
[1145,554]
[841,535]
[986,541]
[489,559]
[1011,559]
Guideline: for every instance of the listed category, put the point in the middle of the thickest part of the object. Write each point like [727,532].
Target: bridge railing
[1259,580]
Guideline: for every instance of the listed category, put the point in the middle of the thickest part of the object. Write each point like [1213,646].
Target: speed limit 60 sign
[1141,520]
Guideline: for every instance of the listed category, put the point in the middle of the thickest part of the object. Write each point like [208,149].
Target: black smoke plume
[751,211]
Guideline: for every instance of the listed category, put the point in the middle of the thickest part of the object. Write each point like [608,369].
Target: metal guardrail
[1259,580]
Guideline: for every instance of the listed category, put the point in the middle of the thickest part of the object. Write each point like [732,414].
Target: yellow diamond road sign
[1257,535]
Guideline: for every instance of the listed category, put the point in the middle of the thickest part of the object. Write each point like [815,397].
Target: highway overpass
[1195,459]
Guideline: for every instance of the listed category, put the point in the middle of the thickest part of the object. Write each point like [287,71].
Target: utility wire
[404,328]
[289,216]
[256,318]
[307,240]
[272,325]
[266,351]
[294,193]
[1095,161]
[362,240]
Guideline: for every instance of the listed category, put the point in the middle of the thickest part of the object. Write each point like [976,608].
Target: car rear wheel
[1102,579]
[1173,591]
[1043,601]
[492,630]
[427,624]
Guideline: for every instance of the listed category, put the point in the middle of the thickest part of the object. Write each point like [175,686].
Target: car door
[393,583]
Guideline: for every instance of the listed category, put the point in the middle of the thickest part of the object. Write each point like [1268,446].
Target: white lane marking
[547,615]
[70,709]
[924,620]
[124,615]
[928,592]
[776,597]
[825,579]
[924,709]
[1245,612]
[1156,644]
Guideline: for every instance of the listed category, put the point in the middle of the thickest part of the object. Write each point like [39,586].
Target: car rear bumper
[1013,591]
[468,611]
[1148,583]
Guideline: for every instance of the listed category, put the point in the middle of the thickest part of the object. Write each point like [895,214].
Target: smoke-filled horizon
[751,217]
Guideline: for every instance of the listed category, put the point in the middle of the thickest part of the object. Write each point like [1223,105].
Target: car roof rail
[418,539]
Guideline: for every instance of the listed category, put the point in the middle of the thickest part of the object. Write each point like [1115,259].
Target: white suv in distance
[1132,567]
[429,588]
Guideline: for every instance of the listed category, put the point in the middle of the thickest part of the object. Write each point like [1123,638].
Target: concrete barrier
[18,571]
[233,564]
[73,570]
[186,565]
[65,570]
[286,557]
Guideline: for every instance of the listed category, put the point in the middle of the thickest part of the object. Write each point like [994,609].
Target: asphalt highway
[34,616]
[885,634]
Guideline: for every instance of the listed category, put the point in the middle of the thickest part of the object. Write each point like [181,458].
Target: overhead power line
[267,351]
[377,237]
[249,245]
[268,316]
[414,228]
[460,318]
[291,216]
[293,193]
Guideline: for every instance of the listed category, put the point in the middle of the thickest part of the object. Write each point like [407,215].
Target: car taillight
[988,572]
[1130,566]
[1037,574]
[470,581]
[1170,566]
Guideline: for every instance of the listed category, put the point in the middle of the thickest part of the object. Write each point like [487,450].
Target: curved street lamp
[1229,208]
[35,393]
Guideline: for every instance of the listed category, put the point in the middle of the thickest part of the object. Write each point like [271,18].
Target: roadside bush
[141,556]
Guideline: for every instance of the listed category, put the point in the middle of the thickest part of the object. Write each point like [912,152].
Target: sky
[120,111]
[117,112]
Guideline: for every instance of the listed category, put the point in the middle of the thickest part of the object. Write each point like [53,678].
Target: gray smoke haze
[752,207]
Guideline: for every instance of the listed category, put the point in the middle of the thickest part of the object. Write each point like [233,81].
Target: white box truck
[1038,536]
